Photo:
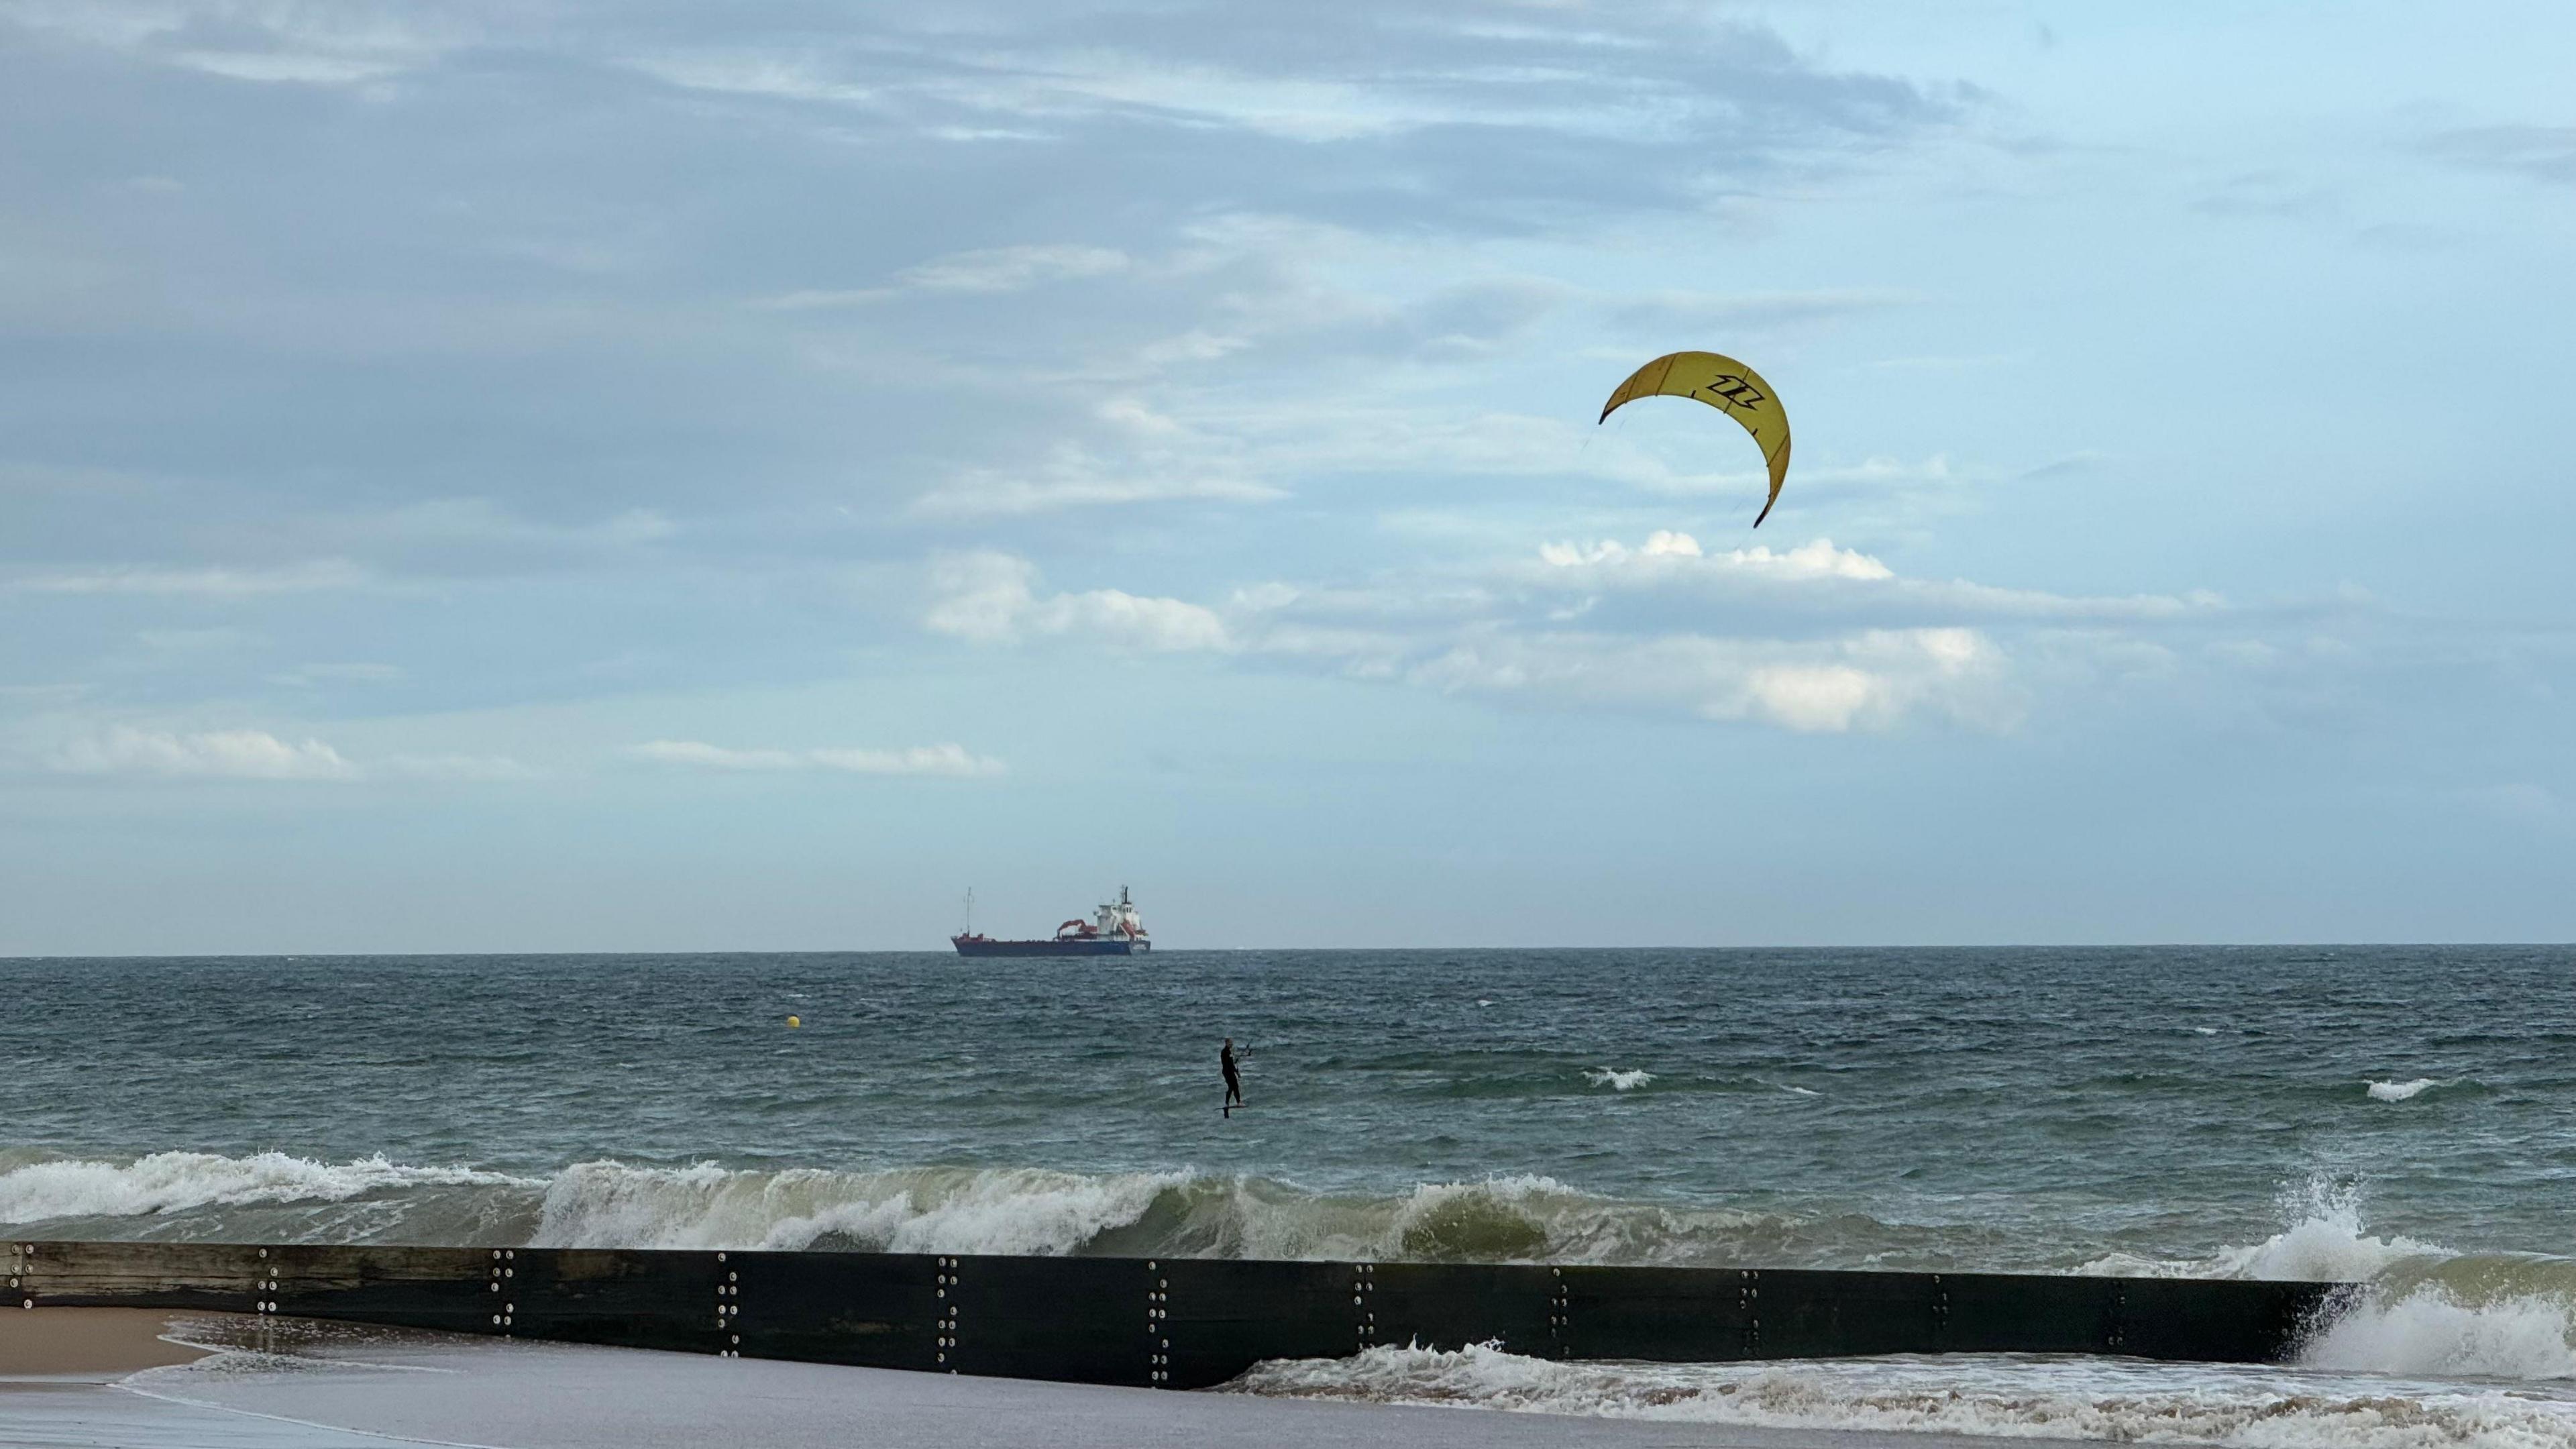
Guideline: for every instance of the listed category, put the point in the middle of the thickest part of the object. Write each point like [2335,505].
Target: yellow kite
[1730,387]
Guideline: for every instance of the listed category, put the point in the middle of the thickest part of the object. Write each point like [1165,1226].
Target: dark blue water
[2026,1108]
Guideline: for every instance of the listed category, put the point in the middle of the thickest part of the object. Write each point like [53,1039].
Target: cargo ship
[1113,930]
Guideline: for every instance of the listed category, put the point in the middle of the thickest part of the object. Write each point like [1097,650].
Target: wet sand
[97,1344]
[442,1389]
[105,1379]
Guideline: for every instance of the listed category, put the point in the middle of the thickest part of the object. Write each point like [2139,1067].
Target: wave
[2424,1310]
[272,1197]
[173,1183]
[1617,1080]
[2401,1091]
[2014,1397]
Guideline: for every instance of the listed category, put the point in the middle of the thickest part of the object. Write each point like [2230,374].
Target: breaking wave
[1618,1080]
[2401,1091]
[2424,1310]
[2017,1397]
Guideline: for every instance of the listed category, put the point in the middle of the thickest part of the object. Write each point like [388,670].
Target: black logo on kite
[1735,390]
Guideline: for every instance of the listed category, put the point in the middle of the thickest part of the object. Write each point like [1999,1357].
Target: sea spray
[1999,1396]
[174,1182]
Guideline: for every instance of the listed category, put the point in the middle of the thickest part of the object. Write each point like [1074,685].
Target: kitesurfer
[1233,1080]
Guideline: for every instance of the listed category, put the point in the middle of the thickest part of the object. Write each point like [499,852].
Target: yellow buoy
[795,1021]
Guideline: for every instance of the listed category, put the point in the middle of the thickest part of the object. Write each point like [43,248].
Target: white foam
[167,1182]
[2324,1243]
[1618,1080]
[925,1210]
[2432,1330]
[2401,1091]
[2014,1398]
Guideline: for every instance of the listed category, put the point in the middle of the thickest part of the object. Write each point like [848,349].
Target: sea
[2399,1116]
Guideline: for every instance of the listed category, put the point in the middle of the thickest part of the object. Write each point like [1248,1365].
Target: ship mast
[970,913]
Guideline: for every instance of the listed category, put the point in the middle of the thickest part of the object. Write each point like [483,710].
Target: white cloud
[1815,637]
[992,598]
[213,583]
[986,270]
[131,750]
[1010,269]
[1873,680]
[951,760]
[343,43]
[1816,559]
[1166,461]
[985,494]
[216,754]
[1818,574]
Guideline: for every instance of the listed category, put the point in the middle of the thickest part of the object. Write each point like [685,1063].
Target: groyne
[1172,1323]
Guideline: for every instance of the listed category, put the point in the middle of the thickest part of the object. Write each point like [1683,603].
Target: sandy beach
[101,1344]
[93,1378]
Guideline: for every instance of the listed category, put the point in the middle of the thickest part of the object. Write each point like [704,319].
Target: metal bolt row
[1560,1309]
[729,1308]
[1158,1312]
[948,1309]
[1364,1283]
[505,1272]
[20,1270]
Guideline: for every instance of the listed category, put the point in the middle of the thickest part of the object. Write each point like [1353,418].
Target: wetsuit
[1233,1083]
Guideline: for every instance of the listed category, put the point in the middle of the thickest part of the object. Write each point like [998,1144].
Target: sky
[554,476]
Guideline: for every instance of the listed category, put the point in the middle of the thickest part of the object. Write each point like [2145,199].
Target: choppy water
[2406,1115]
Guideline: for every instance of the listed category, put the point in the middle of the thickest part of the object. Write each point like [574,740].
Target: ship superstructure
[1114,929]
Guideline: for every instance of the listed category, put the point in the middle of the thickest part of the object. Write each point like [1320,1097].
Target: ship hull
[1049,948]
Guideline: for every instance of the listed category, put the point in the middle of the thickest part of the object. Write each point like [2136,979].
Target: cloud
[1872,680]
[1818,577]
[129,750]
[992,598]
[327,45]
[1666,313]
[950,760]
[987,271]
[1815,559]
[217,754]
[1814,638]
[2541,153]
[1072,478]
[1011,269]
[212,583]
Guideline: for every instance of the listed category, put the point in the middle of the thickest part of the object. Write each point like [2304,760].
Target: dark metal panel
[1452,1305]
[1655,1314]
[881,1310]
[1079,1320]
[1224,1316]
[634,1299]
[2026,1313]
[1812,1313]
[2237,1322]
